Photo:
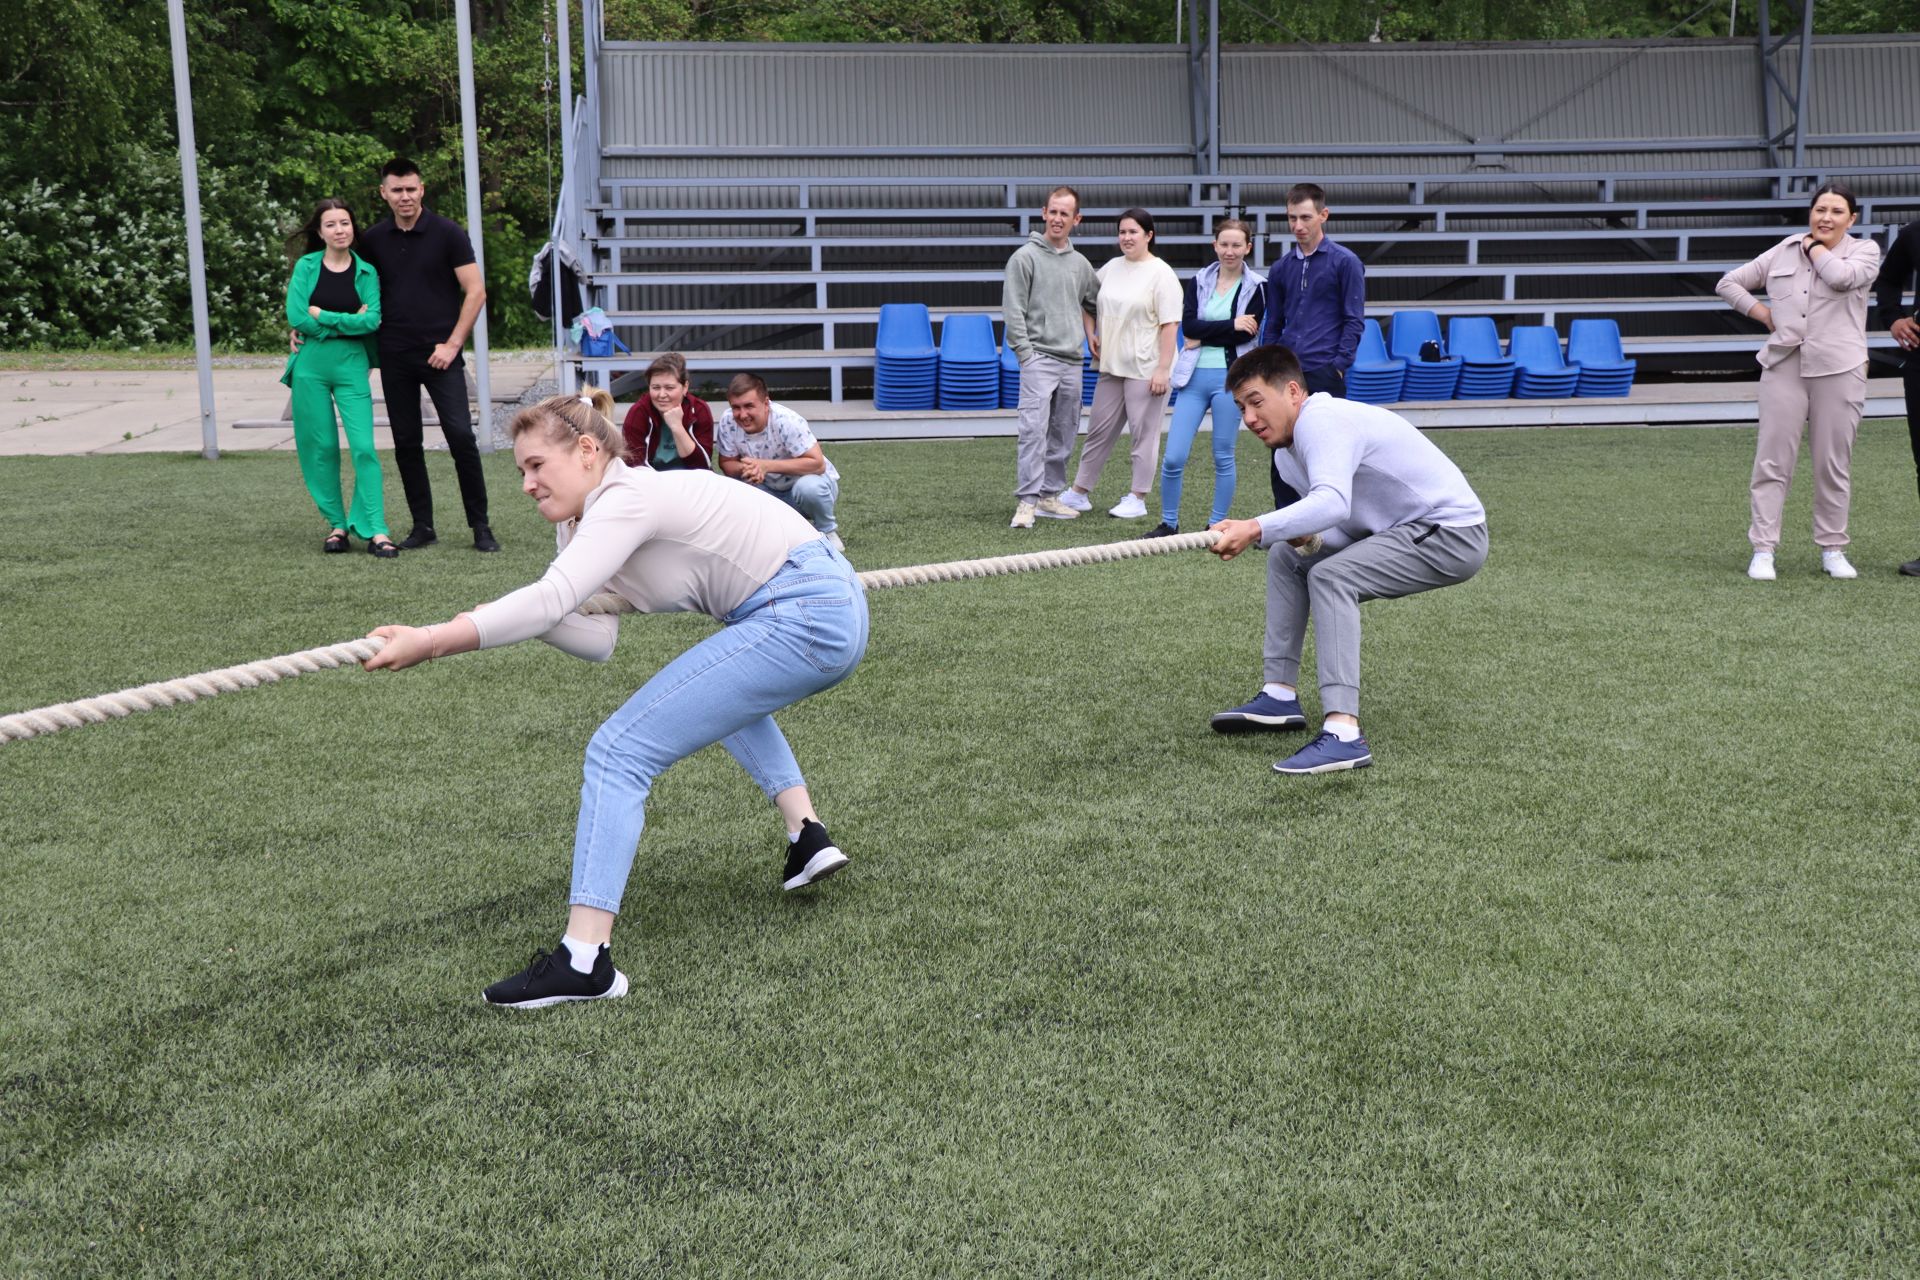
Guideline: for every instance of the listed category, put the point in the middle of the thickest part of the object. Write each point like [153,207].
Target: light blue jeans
[1206,389]
[813,497]
[802,632]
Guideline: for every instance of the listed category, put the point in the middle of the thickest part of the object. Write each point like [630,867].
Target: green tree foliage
[298,99]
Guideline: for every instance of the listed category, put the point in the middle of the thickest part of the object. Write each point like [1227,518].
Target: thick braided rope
[248,675]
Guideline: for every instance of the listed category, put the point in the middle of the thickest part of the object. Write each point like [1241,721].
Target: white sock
[793,837]
[1342,730]
[1284,692]
[580,955]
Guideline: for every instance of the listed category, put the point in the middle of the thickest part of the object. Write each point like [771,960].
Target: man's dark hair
[1272,364]
[399,167]
[746,384]
[1307,191]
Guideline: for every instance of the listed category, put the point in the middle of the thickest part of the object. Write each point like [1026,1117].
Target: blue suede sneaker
[1264,714]
[1325,754]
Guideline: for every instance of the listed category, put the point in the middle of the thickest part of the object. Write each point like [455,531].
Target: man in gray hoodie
[1048,304]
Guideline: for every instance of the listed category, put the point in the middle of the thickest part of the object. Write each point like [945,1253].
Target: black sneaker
[1162,530]
[812,857]
[422,536]
[551,979]
[483,539]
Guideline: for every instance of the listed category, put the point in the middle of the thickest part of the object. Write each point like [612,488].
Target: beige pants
[1118,401]
[1788,403]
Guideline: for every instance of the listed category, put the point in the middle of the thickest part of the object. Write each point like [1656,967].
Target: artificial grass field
[1607,967]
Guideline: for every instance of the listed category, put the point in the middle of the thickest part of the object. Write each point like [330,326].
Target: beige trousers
[1832,404]
[1118,401]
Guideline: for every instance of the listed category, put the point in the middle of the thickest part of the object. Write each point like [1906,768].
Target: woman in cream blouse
[1814,370]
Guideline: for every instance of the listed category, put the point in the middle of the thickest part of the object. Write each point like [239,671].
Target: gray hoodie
[1047,291]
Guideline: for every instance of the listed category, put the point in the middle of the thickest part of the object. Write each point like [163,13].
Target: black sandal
[385,550]
[336,542]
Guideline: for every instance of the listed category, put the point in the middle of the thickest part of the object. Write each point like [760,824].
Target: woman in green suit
[333,303]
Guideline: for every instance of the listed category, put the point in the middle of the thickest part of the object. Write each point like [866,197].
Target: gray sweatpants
[1401,561]
[1049,420]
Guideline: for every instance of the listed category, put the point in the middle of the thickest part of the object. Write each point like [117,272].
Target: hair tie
[587,401]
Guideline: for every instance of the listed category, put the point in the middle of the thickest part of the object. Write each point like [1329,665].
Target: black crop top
[334,291]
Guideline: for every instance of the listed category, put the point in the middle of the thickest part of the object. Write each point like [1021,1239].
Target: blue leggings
[1207,388]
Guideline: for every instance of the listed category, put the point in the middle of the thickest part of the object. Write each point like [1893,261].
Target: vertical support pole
[570,159]
[483,386]
[1196,88]
[1213,86]
[1803,98]
[196,251]
[1769,121]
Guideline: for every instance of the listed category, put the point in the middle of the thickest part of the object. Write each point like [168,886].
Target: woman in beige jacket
[1813,370]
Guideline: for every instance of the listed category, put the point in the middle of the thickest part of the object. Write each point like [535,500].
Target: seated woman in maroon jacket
[671,429]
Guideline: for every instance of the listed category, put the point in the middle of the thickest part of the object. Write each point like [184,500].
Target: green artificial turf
[1607,967]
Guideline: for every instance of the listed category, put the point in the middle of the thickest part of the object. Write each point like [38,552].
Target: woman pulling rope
[794,622]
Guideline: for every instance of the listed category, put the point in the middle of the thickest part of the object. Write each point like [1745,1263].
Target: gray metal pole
[1213,86]
[567,199]
[483,385]
[1196,90]
[196,252]
[1803,107]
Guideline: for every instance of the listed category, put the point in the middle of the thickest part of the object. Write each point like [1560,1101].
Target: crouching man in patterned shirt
[771,446]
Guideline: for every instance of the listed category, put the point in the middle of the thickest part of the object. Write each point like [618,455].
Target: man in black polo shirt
[430,295]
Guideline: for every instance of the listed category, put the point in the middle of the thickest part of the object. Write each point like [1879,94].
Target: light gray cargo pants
[1049,420]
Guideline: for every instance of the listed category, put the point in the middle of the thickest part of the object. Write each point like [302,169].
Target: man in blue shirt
[1316,302]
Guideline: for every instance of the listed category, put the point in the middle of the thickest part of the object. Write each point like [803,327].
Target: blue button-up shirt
[1316,304]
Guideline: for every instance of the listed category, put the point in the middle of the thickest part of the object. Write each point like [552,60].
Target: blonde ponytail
[588,414]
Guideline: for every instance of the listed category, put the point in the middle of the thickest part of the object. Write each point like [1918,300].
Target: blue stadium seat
[1089,376]
[1375,378]
[969,365]
[1594,345]
[1426,379]
[905,370]
[1544,372]
[1486,372]
[1009,379]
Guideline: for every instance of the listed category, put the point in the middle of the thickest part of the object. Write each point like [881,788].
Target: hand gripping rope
[248,675]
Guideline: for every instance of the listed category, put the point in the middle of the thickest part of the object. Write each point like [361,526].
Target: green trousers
[329,373]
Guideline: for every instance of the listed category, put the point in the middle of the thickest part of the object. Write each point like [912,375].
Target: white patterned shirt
[787,436]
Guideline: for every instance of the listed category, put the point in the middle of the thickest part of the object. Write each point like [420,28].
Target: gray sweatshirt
[1046,293]
[1364,469]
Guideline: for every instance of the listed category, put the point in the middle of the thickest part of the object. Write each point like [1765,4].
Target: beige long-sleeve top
[665,541]
[1819,308]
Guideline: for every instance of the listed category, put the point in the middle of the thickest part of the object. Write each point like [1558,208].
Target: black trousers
[402,375]
[1910,378]
[1334,383]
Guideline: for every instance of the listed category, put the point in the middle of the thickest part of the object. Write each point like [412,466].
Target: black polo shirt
[420,296]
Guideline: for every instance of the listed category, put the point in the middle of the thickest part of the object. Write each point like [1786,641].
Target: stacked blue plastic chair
[1375,377]
[1544,373]
[905,364]
[1594,345]
[1486,372]
[1009,379]
[1426,379]
[969,364]
[1089,375]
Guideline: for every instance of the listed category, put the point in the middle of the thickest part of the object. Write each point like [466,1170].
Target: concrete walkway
[158,411]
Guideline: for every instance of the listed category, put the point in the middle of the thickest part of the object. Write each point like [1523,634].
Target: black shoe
[1911,568]
[336,542]
[551,979]
[483,539]
[422,536]
[1162,530]
[386,549]
[812,857]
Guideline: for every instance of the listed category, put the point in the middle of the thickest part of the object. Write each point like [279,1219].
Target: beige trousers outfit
[1813,371]
[1122,401]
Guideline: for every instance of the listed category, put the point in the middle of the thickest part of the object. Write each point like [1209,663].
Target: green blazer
[333,324]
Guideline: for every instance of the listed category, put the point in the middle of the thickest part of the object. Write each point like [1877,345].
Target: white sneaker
[1022,516]
[834,540]
[1760,568]
[1054,509]
[1077,501]
[1128,508]
[1835,563]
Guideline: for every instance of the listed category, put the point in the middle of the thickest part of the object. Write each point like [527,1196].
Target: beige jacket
[1820,309]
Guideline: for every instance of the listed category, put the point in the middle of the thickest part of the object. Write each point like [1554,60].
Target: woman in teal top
[333,302]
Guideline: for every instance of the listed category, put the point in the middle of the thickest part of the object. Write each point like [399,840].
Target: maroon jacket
[645,428]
